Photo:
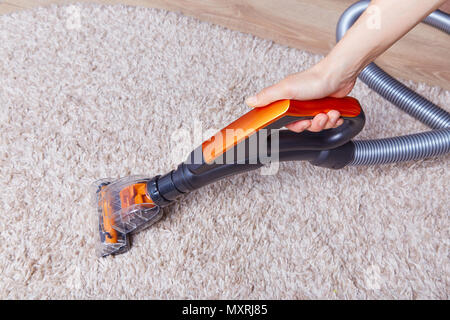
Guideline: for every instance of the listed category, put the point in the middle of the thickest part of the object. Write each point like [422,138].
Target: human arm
[374,32]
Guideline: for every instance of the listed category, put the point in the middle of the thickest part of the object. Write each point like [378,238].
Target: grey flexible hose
[409,147]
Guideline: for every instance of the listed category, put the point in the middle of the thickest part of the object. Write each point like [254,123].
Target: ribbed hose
[410,147]
[404,148]
[403,97]
[439,20]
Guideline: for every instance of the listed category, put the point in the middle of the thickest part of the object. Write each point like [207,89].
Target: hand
[335,75]
[318,82]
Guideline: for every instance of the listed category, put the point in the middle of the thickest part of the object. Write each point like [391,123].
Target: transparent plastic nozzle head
[123,207]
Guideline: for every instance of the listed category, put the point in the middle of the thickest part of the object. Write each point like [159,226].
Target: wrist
[338,71]
[331,76]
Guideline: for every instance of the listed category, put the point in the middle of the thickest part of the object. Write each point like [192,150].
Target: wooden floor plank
[422,55]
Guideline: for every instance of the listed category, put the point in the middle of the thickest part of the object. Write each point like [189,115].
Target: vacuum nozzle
[123,207]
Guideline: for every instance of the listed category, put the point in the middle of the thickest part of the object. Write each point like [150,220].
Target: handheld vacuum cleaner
[130,204]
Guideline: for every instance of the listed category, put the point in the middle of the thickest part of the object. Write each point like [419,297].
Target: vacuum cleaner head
[123,207]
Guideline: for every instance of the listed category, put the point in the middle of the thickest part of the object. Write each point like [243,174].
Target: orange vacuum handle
[274,116]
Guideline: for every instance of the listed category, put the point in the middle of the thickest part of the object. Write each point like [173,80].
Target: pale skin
[335,75]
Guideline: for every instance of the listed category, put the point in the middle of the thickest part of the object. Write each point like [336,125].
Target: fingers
[320,122]
[326,121]
[270,94]
[339,122]
[299,126]
[333,117]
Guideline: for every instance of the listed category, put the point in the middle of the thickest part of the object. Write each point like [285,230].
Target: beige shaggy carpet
[89,91]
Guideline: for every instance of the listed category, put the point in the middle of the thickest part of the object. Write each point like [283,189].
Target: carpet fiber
[89,91]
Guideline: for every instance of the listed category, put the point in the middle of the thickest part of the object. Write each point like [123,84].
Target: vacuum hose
[409,147]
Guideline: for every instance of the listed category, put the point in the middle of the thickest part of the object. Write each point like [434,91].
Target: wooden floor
[422,55]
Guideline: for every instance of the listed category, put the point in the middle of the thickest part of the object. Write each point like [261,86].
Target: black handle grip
[325,139]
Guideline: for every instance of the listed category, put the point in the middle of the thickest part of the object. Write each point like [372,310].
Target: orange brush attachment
[123,206]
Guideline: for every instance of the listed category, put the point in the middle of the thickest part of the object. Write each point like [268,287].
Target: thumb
[270,94]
